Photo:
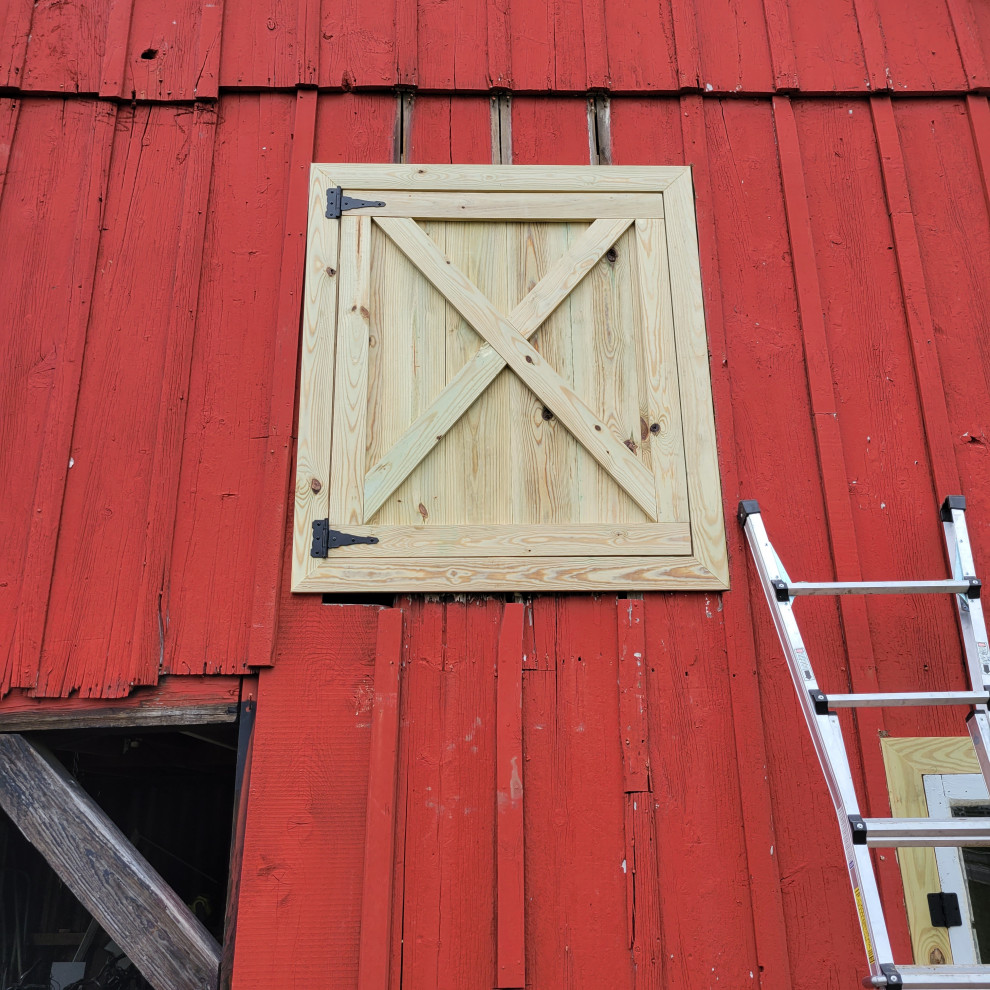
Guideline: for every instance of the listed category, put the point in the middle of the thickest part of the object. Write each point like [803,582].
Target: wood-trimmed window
[910,764]
[505,383]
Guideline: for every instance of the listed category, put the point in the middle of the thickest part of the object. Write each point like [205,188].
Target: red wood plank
[646,896]
[242,785]
[271,513]
[301,879]
[640,40]
[132,395]
[874,49]
[511,910]
[575,807]
[530,26]
[15,30]
[499,45]
[781,42]
[550,130]
[979,121]
[308,47]
[718,144]
[170,692]
[451,129]
[59,49]
[969,42]
[9,109]
[206,67]
[379,841]
[632,695]
[912,280]
[596,44]
[407,44]
[56,143]
[114,65]
[828,51]
[887,470]
[684,22]
[143,664]
[419,963]
[358,44]
[922,50]
[543,611]
[735,51]
[947,186]
[265,45]
[831,460]
[355,127]
[220,591]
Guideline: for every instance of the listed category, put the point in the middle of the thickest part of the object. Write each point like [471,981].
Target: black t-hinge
[944,909]
[337,203]
[326,539]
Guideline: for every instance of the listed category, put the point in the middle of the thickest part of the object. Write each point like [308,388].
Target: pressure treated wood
[511,385]
[522,206]
[520,178]
[526,362]
[907,760]
[473,377]
[160,935]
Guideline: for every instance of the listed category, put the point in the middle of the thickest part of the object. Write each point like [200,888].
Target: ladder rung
[937,977]
[886,833]
[906,698]
[785,590]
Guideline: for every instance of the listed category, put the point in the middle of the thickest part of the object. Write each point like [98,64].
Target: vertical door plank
[406,371]
[477,450]
[379,848]
[509,797]
[316,386]
[350,405]
[545,467]
[660,428]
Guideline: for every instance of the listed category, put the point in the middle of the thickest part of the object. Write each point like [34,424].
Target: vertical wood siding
[187,49]
[152,232]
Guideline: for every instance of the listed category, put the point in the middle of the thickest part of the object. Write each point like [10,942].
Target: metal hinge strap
[326,539]
[337,203]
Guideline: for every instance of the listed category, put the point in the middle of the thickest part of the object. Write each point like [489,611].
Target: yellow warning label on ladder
[863,926]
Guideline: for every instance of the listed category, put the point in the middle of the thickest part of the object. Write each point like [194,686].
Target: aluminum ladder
[859,834]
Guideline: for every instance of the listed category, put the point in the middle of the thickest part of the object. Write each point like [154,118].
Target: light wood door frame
[682,550]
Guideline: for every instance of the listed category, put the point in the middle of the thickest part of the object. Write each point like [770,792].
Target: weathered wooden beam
[111,879]
[175,701]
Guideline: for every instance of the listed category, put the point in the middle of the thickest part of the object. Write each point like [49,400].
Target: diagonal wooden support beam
[462,390]
[528,364]
[112,880]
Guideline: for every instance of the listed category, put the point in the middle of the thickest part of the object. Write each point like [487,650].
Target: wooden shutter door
[505,383]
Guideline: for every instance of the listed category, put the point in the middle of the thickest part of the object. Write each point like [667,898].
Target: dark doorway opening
[171,793]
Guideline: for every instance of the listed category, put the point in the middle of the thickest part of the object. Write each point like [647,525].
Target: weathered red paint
[379,836]
[510,909]
[676,832]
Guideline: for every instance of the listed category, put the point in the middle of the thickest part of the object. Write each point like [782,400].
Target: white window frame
[942,792]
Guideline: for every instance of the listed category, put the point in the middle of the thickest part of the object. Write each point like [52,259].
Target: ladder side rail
[971,621]
[972,625]
[826,735]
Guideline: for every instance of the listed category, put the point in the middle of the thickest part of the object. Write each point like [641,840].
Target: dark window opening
[171,794]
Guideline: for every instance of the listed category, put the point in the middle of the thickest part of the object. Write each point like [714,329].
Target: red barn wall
[152,222]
